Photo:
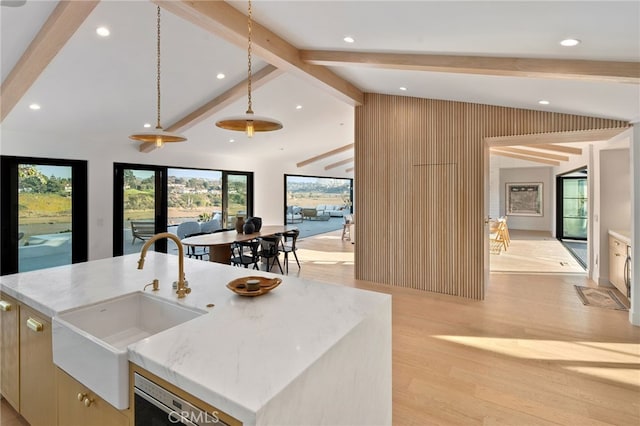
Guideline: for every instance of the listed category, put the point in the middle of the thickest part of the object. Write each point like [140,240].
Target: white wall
[103,150]
[613,209]
[523,175]
[634,312]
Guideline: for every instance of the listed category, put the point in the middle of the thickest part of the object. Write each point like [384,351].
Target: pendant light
[158,136]
[249,122]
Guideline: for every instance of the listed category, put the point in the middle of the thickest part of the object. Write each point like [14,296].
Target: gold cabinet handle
[5,306]
[87,402]
[34,325]
[81,396]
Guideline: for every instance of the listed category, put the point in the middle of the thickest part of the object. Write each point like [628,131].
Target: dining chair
[497,237]
[210,226]
[190,229]
[346,226]
[245,253]
[270,251]
[290,248]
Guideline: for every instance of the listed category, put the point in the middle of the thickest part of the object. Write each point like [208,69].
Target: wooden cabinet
[618,264]
[78,406]
[9,350]
[37,371]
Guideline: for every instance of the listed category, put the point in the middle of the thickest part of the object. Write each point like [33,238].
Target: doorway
[572,213]
[43,214]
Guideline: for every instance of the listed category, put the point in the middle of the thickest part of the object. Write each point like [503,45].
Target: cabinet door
[78,406]
[9,351]
[617,257]
[37,371]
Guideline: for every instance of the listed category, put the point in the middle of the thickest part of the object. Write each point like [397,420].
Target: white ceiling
[108,85]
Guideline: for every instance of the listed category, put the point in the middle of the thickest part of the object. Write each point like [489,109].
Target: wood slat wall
[420,187]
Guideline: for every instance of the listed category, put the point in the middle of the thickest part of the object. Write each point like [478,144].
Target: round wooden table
[219,243]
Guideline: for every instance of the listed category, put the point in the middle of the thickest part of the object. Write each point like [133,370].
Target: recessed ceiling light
[349,39]
[220,76]
[232,140]
[34,107]
[570,42]
[103,31]
[543,102]
[298,106]
[404,89]
[147,125]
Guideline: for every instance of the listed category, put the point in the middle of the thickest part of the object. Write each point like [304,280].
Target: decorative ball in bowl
[252,285]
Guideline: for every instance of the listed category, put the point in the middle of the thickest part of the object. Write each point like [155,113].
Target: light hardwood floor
[529,354]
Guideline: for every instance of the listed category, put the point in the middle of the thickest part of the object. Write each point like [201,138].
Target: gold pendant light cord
[249,109]
[158,126]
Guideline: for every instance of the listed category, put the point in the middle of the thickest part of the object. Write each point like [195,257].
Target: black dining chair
[245,253]
[270,251]
[290,247]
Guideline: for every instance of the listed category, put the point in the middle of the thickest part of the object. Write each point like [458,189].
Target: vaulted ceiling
[499,53]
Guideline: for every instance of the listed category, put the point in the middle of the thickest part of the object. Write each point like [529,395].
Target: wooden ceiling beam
[558,148]
[540,139]
[524,157]
[63,22]
[339,163]
[216,104]
[325,155]
[223,20]
[608,71]
[532,153]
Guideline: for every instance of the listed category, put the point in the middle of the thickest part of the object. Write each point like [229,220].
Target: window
[319,199]
[44,213]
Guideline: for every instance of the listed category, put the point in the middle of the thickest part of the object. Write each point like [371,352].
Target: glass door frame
[225,199]
[162,200]
[9,208]
[160,214]
[560,203]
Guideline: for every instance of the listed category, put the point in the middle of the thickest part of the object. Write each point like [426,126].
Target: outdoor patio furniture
[313,214]
[294,214]
[142,230]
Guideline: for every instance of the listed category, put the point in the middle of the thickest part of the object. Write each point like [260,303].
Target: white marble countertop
[238,356]
[622,235]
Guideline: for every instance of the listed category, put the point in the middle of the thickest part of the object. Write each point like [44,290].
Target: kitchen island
[304,353]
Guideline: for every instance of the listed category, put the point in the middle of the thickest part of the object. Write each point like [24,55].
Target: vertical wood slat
[420,162]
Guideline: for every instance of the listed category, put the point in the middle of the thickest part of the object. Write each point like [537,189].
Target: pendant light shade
[158,136]
[249,122]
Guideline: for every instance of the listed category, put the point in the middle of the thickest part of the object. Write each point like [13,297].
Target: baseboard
[604,282]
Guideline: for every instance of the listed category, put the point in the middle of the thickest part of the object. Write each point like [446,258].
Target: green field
[43,208]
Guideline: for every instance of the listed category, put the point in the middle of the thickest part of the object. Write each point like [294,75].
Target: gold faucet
[183,290]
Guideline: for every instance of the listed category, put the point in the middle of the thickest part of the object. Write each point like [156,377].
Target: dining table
[219,243]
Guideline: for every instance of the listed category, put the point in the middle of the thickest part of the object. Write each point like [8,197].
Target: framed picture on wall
[524,199]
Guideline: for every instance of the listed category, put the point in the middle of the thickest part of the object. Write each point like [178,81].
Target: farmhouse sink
[90,343]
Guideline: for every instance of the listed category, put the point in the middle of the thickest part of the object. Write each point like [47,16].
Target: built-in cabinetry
[28,372]
[620,264]
[9,350]
[78,406]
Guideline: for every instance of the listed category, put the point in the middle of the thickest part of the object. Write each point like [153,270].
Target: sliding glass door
[138,201]
[44,213]
[237,189]
[151,199]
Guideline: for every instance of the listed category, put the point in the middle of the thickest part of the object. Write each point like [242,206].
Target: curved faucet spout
[183,290]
